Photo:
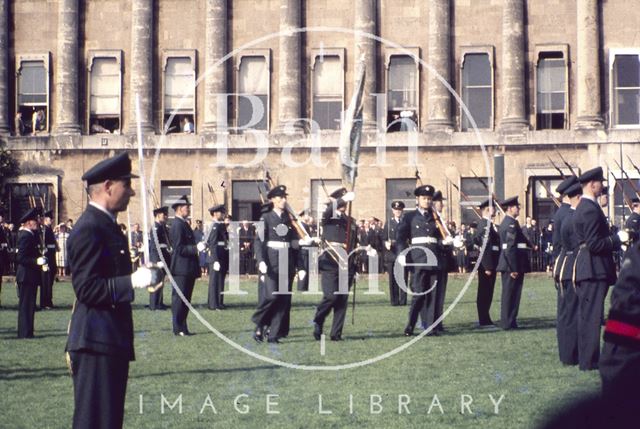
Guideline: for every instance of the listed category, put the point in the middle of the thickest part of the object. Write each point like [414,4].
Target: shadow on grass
[10,374]
[208,371]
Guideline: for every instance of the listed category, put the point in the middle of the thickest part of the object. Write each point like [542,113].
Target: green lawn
[434,373]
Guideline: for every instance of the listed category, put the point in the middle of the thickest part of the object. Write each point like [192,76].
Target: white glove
[262,267]
[402,260]
[305,241]
[372,252]
[448,241]
[302,274]
[387,245]
[141,278]
[349,196]
[41,260]
[216,266]
[623,236]
[201,246]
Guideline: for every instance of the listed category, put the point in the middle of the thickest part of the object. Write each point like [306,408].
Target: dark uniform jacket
[491,254]
[514,256]
[99,258]
[567,258]
[632,225]
[52,247]
[163,242]
[217,241]
[389,234]
[4,250]
[184,260]
[27,270]
[558,217]
[277,229]
[334,230]
[414,225]
[595,253]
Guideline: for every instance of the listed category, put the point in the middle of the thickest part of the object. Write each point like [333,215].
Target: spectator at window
[187,126]
[96,128]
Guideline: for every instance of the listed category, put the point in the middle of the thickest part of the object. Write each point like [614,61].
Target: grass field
[431,375]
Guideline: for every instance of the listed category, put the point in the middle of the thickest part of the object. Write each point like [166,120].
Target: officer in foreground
[100,343]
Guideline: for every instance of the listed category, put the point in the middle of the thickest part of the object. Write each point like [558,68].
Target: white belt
[3,245]
[335,243]
[424,240]
[164,246]
[223,243]
[522,246]
[51,246]
[495,248]
[278,244]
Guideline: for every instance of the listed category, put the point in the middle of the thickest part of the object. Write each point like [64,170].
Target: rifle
[442,229]
[567,164]
[476,210]
[493,195]
[633,186]
[557,168]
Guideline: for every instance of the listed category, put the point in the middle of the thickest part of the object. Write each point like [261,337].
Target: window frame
[539,51]
[91,57]
[168,54]
[488,50]
[326,52]
[266,54]
[45,57]
[613,52]
[408,51]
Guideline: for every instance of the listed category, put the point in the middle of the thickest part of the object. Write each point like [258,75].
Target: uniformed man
[595,269]
[632,225]
[303,255]
[567,324]
[488,263]
[51,245]
[418,230]
[100,343]
[185,265]
[29,265]
[156,299]
[339,233]
[396,294]
[246,237]
[620,361]
[513,263]
[277,239]
[217,239]
[4,252]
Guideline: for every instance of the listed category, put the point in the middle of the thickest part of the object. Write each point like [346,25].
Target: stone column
[5,120]
[513,65]
[588,67]
[66,71]
[289,84]
[366,48]
[439,57]
[215,81]
[141,65]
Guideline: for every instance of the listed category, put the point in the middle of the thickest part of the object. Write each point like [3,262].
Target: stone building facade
[539,77]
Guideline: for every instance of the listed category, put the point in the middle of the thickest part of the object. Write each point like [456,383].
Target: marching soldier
[100,343]
[218,257]
[418,230]
[51,245]
[594,268]
[276,241]
[338,232]
[513,263]
[156,299]
[445,257]
[185,265]
[488,263]
[567,325]
[396,294]
[29,268]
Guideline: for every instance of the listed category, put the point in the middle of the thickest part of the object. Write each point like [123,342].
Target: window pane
[105,87]
[628,106]
[245,113]
[328,76]
[476,70]
[32,83]
[326,113]
[254,76]
[551,75]
[478,101]
[627,70]
[403,77]
[179,85]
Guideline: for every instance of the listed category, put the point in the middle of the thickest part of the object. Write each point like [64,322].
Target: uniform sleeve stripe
[624,329]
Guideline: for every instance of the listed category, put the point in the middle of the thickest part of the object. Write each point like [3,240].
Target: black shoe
[273,340]
[222,307]
[408,332]
[336,338]
[317,331]
[257,335]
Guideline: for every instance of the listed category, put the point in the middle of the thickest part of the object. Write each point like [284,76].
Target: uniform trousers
[26,309]
[567,325]
[591,295]
[511,293]
[397,295]
[423,285]
[99,389]
[484,297]
[338,302]
[272,306]
[216,287]
[179,309]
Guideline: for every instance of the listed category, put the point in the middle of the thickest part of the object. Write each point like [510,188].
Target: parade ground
[464,378]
